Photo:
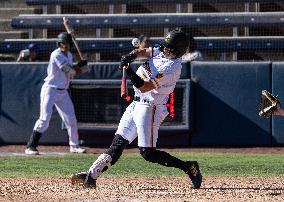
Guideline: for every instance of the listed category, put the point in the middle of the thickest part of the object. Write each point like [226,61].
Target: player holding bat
[152,83]
[54,93]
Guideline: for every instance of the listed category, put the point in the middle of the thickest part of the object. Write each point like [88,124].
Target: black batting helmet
[64,38]
[177,42]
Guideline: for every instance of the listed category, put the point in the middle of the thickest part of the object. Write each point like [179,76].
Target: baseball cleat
[77,150]
[90,182]
[78,178]
[194,174]
[31,151]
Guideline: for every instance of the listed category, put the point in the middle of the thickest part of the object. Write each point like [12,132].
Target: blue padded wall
[20,104]
[226,102]
[20,85]
[278,89]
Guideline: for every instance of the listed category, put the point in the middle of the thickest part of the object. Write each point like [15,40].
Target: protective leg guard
[116,148]
[34,140]
[102,163]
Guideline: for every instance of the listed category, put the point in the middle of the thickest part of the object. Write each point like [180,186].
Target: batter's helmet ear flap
[64,38]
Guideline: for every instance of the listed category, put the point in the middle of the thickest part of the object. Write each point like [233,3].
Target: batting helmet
[177,42]
[64,38]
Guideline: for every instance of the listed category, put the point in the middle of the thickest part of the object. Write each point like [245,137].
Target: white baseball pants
[50,96]
[143,120]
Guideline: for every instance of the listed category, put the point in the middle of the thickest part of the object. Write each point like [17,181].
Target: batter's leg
[66,111]
[125,133]
[48,96]
[147,123]
[103,162]
[33,143]
[111,156]
[191,168]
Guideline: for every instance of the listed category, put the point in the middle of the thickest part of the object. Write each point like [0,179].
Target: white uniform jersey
[163,72]
[55,76]
[144,116]
[54,93]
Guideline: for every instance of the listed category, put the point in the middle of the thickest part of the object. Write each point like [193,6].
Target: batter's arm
[142,53]
[148,85]
[143,86]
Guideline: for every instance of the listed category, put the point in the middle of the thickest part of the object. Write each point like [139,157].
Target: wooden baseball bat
[123,86]
[70,31]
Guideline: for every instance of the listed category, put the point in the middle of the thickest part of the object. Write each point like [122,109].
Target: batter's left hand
[127,59]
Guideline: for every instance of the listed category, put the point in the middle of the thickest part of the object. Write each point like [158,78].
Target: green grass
[212,164]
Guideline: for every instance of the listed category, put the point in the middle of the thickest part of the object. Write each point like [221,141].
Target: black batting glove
[127,59]
[82,63]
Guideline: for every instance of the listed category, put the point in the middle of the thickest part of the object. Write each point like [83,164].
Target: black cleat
[90,182]
[78,178]
[194,174]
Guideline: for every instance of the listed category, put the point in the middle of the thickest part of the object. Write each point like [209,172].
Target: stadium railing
[68,2]
[86,44]
[157,20]
[216,44]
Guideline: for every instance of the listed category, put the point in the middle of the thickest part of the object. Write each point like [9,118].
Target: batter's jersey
[55,76]
[163,72]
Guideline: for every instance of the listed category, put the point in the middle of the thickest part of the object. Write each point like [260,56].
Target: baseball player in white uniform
[54,92]
[152,83]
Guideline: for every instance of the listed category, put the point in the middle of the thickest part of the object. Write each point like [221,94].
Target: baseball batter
[54,92]
[152,83]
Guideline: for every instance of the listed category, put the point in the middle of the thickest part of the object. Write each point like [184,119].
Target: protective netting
[223,29]
[98,105]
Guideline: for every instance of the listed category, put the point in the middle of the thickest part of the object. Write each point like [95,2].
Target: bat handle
[123,87]
[123,71]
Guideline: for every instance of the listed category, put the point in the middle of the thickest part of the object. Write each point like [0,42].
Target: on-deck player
[54,92]
[152,83]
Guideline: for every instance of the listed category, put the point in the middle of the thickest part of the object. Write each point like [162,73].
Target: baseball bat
[123,86]
[70,31]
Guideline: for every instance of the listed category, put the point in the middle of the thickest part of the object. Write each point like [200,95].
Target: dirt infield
[143,189]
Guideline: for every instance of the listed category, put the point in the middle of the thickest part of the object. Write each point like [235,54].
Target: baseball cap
[32,47]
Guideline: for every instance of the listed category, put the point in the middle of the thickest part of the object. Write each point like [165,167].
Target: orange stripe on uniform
[152,126]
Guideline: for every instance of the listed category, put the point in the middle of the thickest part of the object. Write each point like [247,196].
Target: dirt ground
[136,189]
[144,189]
